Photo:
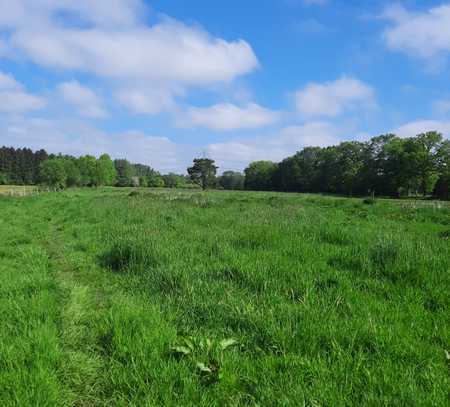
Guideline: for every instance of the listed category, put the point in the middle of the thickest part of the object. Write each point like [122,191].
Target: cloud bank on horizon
[162,86]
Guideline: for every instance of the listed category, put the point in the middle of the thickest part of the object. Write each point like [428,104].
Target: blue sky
[160,82]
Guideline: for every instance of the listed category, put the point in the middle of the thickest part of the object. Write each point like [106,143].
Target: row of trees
[386,165]
[25,167]
[66,171]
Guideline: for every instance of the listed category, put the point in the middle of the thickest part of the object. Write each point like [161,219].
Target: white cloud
[14,99]
[149,101]
[168,51]
[147,64]
[226,116]
[331,99]
[422,34]
[116,44]
[317,134]
[105,13]
[83,98]
[19,102]
[411,129]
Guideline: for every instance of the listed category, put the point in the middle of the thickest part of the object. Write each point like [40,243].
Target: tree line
[22,166]
[386,165]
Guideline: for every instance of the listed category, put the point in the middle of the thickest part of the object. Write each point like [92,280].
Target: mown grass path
[82,302]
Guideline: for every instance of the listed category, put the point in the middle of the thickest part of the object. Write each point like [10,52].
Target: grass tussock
[127,254]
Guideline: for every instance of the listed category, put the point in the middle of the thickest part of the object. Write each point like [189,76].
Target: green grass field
[161,298]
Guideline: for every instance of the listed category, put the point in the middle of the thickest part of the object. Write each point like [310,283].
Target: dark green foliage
[155,180]
[203,172]
[172,180]
[73,173]
[124,173]
[232,180]
[88,168]
[384,166]
[53,173]
[442,187]
[20,166]
[3,179]
[260,175]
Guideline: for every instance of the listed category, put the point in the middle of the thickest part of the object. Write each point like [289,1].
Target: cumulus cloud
[411,129]
[111,41]
[105,13]
[148,64]
[84,99]
[422,34]
[20,102]
[146,101]
[226,116]
[14,99]
[331,99]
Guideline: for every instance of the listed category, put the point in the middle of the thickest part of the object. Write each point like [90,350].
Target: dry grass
[17,190]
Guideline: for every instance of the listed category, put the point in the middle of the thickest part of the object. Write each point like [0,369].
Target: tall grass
[192,298]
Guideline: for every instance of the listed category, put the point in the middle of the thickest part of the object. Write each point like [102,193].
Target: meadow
[141,297]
